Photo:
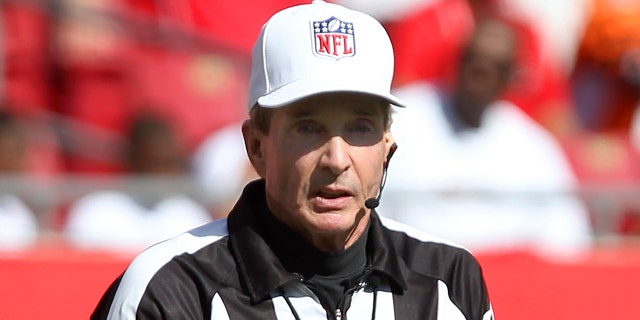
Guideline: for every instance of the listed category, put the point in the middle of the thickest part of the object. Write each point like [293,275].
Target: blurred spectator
[606,80]
[478,170]
[221,168]
[18,224]
[118,219]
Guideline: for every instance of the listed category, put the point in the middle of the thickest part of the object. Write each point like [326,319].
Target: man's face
[322,158]
[486,70]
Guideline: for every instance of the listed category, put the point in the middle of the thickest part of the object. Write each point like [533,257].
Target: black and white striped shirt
[227,270]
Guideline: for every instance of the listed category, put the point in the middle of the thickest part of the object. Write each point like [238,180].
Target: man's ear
[390,147]
[253,144]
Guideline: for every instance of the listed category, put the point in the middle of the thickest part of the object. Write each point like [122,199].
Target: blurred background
[119,127]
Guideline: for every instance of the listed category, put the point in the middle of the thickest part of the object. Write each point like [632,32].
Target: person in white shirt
[477,170]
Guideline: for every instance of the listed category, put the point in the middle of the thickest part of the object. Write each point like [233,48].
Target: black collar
[261,271]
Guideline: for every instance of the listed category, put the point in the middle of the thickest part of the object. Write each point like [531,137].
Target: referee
[305,241]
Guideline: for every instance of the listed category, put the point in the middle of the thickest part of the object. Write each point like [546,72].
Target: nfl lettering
[333,38]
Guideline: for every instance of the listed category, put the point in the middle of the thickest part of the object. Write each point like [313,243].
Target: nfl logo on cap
[333,38]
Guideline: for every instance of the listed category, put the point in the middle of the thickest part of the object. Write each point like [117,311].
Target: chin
[334,223]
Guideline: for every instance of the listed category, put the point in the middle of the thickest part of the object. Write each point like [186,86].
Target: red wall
[61,283]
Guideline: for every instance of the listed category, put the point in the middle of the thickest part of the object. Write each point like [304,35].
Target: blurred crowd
[513,99]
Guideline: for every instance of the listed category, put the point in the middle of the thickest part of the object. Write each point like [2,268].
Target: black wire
[375,303]
[372,281]
[347,294]
[293,310]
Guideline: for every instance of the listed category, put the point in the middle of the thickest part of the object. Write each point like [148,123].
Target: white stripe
[304,301]
[362,305]
[416,233]
[144,267]
[489,314]
[218,310]
[446,308]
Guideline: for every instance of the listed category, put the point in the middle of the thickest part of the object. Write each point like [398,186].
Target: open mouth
[331,199]
[332,195]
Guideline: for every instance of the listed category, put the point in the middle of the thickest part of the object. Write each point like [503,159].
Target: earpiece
[372,203]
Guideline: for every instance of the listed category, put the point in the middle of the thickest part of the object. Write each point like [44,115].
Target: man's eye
[361,128]
[307,129]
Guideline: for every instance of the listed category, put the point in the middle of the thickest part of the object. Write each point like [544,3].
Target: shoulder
[152,259]
[453,268]
[155,265]
[534,143]
[508,115]
[399,229]
[432,256]
[514,124]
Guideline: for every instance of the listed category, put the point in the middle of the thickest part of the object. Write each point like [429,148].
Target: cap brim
[303,88]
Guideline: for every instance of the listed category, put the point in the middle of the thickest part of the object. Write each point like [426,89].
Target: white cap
[317,48]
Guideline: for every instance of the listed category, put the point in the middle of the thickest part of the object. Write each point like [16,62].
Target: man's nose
[336,155]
